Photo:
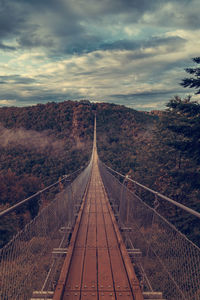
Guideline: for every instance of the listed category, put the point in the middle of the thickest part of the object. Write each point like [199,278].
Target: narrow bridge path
[97,265]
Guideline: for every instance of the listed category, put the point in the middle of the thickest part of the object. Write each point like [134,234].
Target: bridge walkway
[97,265]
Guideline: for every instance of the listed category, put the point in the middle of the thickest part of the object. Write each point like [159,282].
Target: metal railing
[169,262]
[28,262]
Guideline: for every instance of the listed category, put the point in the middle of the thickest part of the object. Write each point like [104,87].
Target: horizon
[82,100]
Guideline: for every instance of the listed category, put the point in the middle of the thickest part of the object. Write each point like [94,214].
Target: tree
[194,81]
[183,119]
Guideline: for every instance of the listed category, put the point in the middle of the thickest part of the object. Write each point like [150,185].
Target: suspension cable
[190,210]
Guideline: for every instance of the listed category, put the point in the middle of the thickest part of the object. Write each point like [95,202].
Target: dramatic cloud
[122,51]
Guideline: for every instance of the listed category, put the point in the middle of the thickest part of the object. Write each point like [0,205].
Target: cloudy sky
[130,52]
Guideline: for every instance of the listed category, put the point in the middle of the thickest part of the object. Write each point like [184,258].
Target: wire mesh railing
[28,262]
[169,262]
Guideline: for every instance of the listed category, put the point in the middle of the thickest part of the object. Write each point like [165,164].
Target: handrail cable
[190,210]
[17,205]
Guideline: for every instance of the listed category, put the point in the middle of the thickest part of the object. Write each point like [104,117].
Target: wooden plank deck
[97,265]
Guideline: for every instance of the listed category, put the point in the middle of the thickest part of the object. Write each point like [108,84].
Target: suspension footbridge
[99,240]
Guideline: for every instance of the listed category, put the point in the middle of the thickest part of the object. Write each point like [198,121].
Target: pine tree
[194,81]
[183,120]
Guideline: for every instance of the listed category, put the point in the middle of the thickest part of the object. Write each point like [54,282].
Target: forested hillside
[39,144]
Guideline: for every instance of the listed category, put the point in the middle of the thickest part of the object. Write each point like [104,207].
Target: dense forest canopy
[39,144]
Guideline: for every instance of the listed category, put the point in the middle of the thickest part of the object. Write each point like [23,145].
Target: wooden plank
[75,278]
[82,232]
[92,207]
[101,233]
[89,296]
[71,295]
[124,296]
[110,232]
[107,296]
[89,281]
[92,231]
[119,273]
[105,280]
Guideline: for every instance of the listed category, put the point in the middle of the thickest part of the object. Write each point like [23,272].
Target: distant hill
[34,139]
[38,144]
[119,132]
[160,149]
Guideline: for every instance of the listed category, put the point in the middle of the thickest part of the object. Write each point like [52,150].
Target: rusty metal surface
[98,267]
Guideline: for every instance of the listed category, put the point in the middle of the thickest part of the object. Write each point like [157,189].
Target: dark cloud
[39,96]
[173,43]
[11,20]
[121,45]
[37,23]
[16,79]
[32,39]
[192,20]
[147,93]
[65,26]
[6,47]
[178,14]
[97,9]
[146,100]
